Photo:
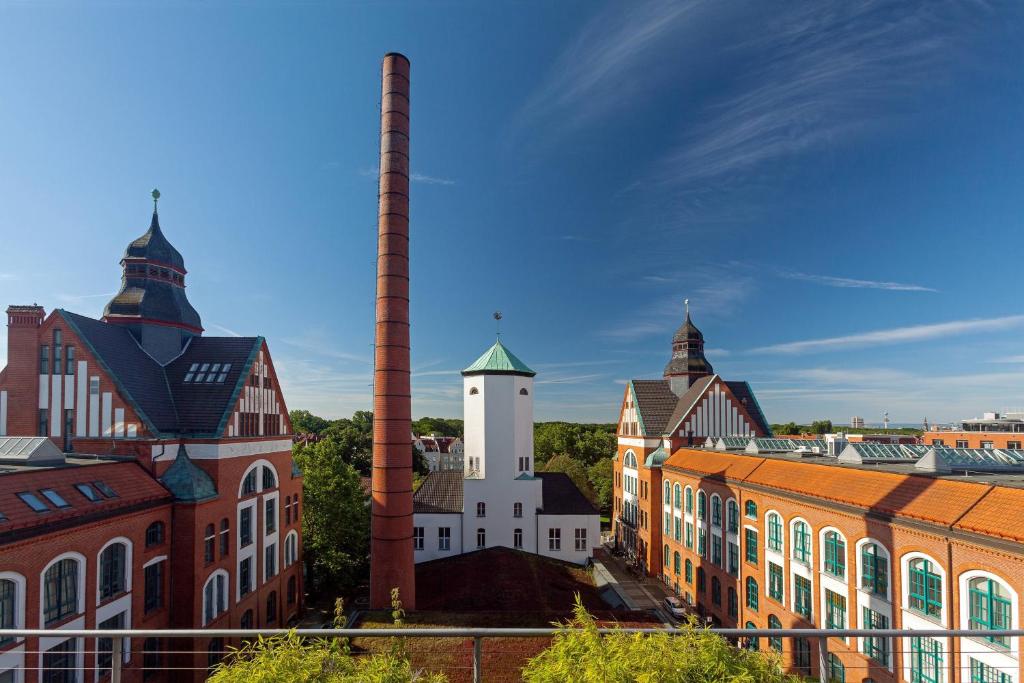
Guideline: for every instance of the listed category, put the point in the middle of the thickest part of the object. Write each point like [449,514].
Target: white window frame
[227,590]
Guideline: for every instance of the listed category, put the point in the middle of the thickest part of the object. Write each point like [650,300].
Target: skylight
[104,489]
[55,498]
[207,373]
[32,500]
[88,491]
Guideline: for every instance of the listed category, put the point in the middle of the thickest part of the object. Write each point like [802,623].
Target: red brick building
[760,533]
[146,479]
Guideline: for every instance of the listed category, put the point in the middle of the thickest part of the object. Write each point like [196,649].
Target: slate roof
[157,393]
[687,400]
[153,245]
[441,492]
[655,403]
[561,497]
[498,360]
[745,395]
[131,483]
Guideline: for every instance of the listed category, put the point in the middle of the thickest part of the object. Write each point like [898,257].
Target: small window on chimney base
[473,391]
[524,392]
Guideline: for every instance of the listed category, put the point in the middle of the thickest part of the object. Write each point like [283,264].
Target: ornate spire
[688,361]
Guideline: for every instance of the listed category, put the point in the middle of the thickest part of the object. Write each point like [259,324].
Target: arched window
[61,590]
[524,392]
[925,588]
[249,483]
[774,642]
[291,548]
[225,537]
[247,619]
[837,672]
[269,480]
[676,558]
[11,611]
[215,596]
[677,498]
[272,607]
[751,643]
[113,570]
[835,554]
[154,534]
[517,509]
[689,571]
[733,516]
[716,510]
[752,593]
[473,391]
[702,504]
[750,509]
[689,500]
[774,524]
[716,591]
[874,569]
[801,542]
[991,607]
[209,540]
[481,509]
[629,461]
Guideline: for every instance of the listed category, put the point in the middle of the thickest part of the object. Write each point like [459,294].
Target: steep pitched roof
[440,492]
[745,395]
[561,496]
[498,360]
[187,481]
[687,400]
[158,393]
[655,403]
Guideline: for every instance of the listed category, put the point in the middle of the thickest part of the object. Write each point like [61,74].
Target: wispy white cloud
[851,283]
[429,179]
[895,335]
[227,331]
[324,347]
[569,379]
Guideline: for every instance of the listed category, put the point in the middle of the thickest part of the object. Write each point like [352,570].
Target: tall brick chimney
[391,552]
[22,375]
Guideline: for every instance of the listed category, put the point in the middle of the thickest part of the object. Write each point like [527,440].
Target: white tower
[498,413]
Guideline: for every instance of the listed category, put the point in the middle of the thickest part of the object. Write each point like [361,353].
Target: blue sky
[837,187]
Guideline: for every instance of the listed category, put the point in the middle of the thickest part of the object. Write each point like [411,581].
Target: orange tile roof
[997,514]
[940,501]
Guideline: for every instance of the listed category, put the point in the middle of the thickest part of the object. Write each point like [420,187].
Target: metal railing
[11,637]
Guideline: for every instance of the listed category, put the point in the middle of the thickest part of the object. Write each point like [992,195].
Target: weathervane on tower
[686,303]
[497,323]
[156,197]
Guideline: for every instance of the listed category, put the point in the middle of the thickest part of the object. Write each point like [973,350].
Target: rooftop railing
[110,643]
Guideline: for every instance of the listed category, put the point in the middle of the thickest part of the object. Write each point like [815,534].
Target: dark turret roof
[153,246]
[688,331]
[688,352]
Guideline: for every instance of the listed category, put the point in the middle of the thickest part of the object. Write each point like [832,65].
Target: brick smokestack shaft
[391,552]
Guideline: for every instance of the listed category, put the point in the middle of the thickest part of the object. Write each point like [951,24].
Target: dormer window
[207,373]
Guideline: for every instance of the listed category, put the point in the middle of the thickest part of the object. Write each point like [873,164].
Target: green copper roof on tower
[498,360]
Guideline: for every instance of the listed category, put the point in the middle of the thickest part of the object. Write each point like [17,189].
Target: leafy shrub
[694,655]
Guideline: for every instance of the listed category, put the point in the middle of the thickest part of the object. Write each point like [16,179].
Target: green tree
[438,426]
[821,427]
[600,475]
[336,517]
[305,422]
[578,652]
[786,429]
[576,471]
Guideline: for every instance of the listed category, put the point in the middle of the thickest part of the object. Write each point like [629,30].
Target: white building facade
[497,499]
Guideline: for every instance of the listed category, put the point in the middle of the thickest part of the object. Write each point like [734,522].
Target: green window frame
[983,673]
[668,558]
[925,591]
[835,554]
[836,670]
[702,543]
[716,511]
[750,544]
[676,558]
[689,535]
[802,600]
[676,501]
[775,582]
[702,505]
[876,647]
[752,642]
[774,642]
[732,515]
[802,542]
[990,608]
[835,610]
[689,571]
[677,523]
[750,509]
[689,500]
[925,660]
[874,570]
[716,550]
[775,532]
[701,579]
[733,559]
[752,593]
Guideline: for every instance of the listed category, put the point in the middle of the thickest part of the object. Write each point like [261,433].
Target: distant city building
[146,481]
[497,499]
[690,404]
[991,430]
[441,453]
[857,422]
